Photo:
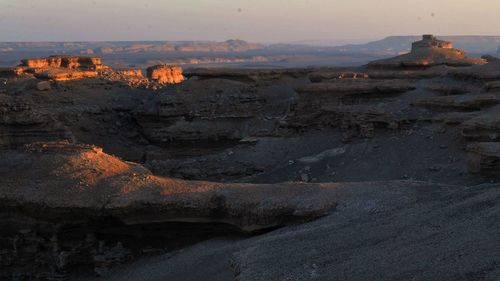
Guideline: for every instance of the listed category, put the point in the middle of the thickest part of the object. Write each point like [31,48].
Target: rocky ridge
[68,68]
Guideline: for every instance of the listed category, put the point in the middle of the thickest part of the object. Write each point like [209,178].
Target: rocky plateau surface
[361,173]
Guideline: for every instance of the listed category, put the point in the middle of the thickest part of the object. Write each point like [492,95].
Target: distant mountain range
[392,45]
[236,52]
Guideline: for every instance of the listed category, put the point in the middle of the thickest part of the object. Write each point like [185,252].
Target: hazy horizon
[279,21]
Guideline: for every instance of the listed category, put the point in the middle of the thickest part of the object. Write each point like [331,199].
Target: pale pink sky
[252,20]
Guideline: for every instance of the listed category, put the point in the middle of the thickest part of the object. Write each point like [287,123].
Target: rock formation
[63,68]
[70,62]
[429,52]
[165,74]
[431,41]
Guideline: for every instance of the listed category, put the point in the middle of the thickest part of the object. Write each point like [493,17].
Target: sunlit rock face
[165,74]
[430,51]
[71,62]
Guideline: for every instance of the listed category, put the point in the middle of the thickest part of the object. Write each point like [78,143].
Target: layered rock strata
[56,188]
[21,124]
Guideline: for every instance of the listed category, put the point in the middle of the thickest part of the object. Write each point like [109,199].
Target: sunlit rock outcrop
[70,62]
[165,74]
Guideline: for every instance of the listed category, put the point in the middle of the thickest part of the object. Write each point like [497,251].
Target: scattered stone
[43,86]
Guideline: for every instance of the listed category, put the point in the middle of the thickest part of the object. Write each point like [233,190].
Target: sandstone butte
[430,51]
[165,74]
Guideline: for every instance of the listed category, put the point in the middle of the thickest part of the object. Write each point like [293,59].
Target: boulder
[485,127]
[43,86]
[165,74]
[484,158]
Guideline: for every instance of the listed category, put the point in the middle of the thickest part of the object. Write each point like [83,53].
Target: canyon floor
[253,174]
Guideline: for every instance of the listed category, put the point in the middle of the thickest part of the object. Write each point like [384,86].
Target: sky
[267,21]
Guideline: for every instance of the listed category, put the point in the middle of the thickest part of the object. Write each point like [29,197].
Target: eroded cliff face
[22,123]
[165,74]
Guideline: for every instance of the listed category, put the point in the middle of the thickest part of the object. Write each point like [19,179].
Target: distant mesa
[62,68]
[430,51]
[229,46]
[431,41]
